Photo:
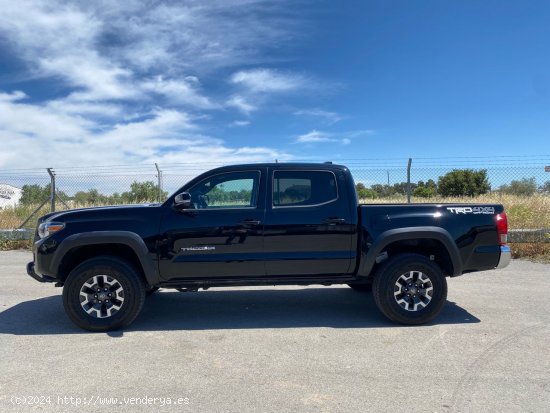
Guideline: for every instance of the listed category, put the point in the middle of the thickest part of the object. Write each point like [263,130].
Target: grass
[7,245]
[539,252]
[14,217]
[531,212]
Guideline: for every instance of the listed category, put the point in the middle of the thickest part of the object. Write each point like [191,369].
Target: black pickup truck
[264,224]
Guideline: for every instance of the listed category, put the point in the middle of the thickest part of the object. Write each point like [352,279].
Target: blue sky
[198,82]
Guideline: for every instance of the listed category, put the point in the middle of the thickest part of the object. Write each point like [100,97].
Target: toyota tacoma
[264,224]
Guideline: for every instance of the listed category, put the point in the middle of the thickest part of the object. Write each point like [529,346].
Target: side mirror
[182,201]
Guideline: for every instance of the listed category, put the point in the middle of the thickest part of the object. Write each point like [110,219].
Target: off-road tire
[132,293]
[386,291]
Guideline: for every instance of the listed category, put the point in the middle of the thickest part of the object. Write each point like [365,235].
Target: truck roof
[285,165]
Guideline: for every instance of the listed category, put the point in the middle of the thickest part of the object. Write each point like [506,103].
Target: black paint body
[337,241]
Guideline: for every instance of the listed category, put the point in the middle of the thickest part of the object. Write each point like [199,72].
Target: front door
[221,235]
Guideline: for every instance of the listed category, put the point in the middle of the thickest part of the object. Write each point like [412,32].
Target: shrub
[424,192]
[464,182]
[364,192]
[523,187]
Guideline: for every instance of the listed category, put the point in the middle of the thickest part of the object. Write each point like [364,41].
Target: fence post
[409,181]
[52,189]
[159,182]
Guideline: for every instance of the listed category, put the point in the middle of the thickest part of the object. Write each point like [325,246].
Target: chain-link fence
[521,184]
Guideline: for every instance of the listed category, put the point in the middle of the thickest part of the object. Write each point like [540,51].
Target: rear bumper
[505,256]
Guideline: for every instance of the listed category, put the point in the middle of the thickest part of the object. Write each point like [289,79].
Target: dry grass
[6,245]
[523,213]
[539,252]
[13,217]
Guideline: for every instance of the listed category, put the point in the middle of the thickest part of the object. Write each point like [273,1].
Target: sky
[204,82]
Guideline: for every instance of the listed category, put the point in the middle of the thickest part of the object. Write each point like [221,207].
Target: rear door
[308,227]
[221,235]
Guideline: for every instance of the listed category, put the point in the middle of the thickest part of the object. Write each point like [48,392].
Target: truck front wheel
[410,289]
[103,293]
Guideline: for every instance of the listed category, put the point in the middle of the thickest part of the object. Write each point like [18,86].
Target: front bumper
[505,256]
[39,278]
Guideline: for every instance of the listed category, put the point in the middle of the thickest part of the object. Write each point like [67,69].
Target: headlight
[46,229]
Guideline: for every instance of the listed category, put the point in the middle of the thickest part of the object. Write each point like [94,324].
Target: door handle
[253,222]
[334,221]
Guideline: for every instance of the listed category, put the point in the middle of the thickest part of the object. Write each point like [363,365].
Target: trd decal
[472,210]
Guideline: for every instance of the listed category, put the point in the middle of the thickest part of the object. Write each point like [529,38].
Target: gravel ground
[281,349]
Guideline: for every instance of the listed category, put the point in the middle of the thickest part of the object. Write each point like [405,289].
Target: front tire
[103,293]
[410,289]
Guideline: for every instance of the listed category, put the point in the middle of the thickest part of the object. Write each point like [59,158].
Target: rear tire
[410,289]
[103,293]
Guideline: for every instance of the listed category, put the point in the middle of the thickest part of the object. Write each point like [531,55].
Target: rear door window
[303,188]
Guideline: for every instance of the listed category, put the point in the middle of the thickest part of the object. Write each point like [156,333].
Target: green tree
[523,187]
[400,188]
[142,192]
[545,188]
[425,189]
[114,199]
[463,182]
[91,197]
[382,191]
[363,192]
[36,194]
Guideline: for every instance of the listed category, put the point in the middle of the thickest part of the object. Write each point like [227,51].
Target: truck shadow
[227,309]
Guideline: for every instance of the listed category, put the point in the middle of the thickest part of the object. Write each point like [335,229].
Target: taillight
[502,228]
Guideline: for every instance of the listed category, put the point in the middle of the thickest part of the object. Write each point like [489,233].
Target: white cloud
[258,86]
[42,136]
[329,117]
[70,106]
[239,123]
[314,136]
[269,81]
[34,122]
[12,97]
[103,47]
[179,91]
[128,78]
[242,104]
[59,40]
[344,138]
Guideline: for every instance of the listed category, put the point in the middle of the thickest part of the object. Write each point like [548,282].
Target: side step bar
[194,284]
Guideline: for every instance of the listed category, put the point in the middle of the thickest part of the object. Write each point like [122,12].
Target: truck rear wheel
[410,289]
[103,293]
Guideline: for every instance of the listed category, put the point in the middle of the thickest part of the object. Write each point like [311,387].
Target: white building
[9,196]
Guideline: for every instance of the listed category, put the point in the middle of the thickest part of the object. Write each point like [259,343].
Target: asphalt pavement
[284,349]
